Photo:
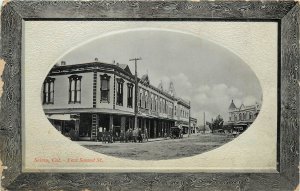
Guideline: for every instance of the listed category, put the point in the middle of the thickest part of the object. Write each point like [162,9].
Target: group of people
[134,135]
[131,135]
[105,136]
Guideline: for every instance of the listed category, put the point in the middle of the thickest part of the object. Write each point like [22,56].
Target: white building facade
[89,96]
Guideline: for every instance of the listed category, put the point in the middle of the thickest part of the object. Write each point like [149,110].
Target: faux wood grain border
[285,13]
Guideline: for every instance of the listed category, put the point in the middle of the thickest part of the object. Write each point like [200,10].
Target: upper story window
[250,116]
[129,95]
[175,109]
[146,100]
[152,102]
[244,116]
[104,88]
[141,95]
[156,104]
[240,117]
[48,91]
[120,83]
[75,89]
[160,105]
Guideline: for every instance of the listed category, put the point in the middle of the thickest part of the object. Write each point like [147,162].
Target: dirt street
[162,149]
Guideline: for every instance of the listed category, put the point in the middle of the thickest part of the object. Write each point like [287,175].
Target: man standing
[100,134]
[122,136]
[135,134]
[140,138]
[146,134]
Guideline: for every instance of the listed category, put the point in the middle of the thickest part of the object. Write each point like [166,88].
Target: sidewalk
[91,143]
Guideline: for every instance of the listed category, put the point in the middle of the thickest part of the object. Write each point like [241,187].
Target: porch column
[145,125]
[148,128]
[154,126]
[123,123]
[111,122]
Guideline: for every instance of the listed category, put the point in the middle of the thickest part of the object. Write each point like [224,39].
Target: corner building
[89,96]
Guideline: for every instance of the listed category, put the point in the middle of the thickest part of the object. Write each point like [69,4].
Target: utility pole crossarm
[135,59]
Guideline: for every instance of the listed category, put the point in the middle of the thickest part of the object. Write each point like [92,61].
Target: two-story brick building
[87,96]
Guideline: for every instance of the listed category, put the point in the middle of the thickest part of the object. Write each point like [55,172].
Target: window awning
[62,117]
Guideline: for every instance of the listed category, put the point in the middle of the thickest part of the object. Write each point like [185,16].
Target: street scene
[123,103]
[161,148]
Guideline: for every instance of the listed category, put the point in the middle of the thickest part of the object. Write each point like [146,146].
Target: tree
[217,124]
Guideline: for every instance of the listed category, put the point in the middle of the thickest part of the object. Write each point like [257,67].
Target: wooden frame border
[285,13]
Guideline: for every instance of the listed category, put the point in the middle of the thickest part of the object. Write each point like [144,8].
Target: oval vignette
[193,95]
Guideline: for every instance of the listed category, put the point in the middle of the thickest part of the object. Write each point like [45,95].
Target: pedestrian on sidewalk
[122,136]
[135,134]
[146,134]
[140,138]
[105,136]
[100,134]
[130,137]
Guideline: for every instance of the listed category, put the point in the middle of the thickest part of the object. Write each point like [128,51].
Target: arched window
[48,91]
[75,89]
[244,116]
[104,88]
[141,95]
[129,95]
[146,99]
[250,116]
[240,117]
[120,83]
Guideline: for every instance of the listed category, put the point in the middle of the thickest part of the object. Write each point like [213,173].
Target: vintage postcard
[122,96]
[149,95]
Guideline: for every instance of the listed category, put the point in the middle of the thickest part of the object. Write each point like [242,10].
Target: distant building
[243,116]
[89,96]
[193,124]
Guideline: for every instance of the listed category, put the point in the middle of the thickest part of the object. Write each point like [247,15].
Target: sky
[202,72]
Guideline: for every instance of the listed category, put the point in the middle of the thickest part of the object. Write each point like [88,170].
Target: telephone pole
[189,118]
[204,124]
[136,90]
